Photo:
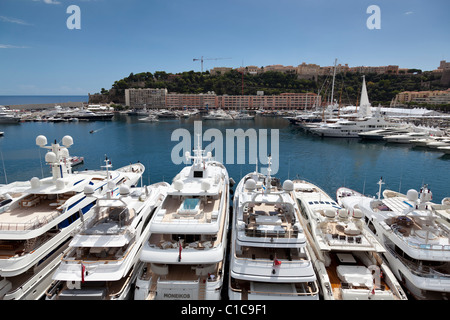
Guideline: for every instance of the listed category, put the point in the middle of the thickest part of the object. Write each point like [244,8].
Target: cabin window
[198,174]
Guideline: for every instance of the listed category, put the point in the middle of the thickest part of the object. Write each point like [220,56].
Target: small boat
[75,161]
[150,118]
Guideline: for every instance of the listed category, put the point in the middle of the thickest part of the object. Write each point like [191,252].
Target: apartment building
[430,97]
[160,98]
[148,98]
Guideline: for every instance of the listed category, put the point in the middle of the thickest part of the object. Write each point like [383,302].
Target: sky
[40,55]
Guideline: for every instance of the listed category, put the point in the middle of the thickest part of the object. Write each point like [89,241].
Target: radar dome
[111,184]
[205,185]
[124,190]
[60,184]
[178,185]
[288,186]
[412,195]
[89,190]
[41,140]
[250,184]
[50,157]
[65,152]
[67,141]
[35,182]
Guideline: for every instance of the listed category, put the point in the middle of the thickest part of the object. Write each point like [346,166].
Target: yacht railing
[421,246]
[276,234]
[34,223]
[308,290]
[420,270]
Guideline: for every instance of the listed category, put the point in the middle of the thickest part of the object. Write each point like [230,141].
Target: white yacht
[347,257]
[378,134]
[103,257]
[185,254]
[7,116]
[150,118]
[406,137]
[241,116]
[416,239]
[37,222]
[269,257]
[218,114]
[351,128]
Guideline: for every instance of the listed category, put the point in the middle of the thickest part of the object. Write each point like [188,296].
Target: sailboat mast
[332,87]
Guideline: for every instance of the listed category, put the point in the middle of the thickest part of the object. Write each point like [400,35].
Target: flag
[83,269]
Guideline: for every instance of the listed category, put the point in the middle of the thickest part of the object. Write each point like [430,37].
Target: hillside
[382,88]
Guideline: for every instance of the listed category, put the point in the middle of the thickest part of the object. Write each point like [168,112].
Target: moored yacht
[347,257]
[185,255]
[269,257]
[415,237]
[351,128]
[103,257]
[37,223]
[218,114]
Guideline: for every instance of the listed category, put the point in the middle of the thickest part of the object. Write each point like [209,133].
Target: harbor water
[327,162]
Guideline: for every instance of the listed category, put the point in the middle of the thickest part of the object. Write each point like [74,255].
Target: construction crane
[201,60]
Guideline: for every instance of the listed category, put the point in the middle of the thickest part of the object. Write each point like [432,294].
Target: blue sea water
[328,162]
[14,100]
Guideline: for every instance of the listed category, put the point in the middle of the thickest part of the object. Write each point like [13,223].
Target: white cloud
[10,46]
[13,20]
[49,1]
[408,13]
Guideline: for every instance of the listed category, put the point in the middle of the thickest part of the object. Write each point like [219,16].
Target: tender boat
[185,255]
[36,224]
[269,257]
[415,236]
[347,257]
[103,257]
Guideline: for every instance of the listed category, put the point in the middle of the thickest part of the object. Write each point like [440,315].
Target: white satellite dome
[60,184]
[412,195]
[67,141]
[124,190]
[205,185]
[64,152]
[41,140]
[250,184]
[288,186]
[35,182]
[178,185]
[50,157]
[89,190]
[111,184]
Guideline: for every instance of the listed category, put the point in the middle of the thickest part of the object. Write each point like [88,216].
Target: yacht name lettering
[193,310]
[177,295]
